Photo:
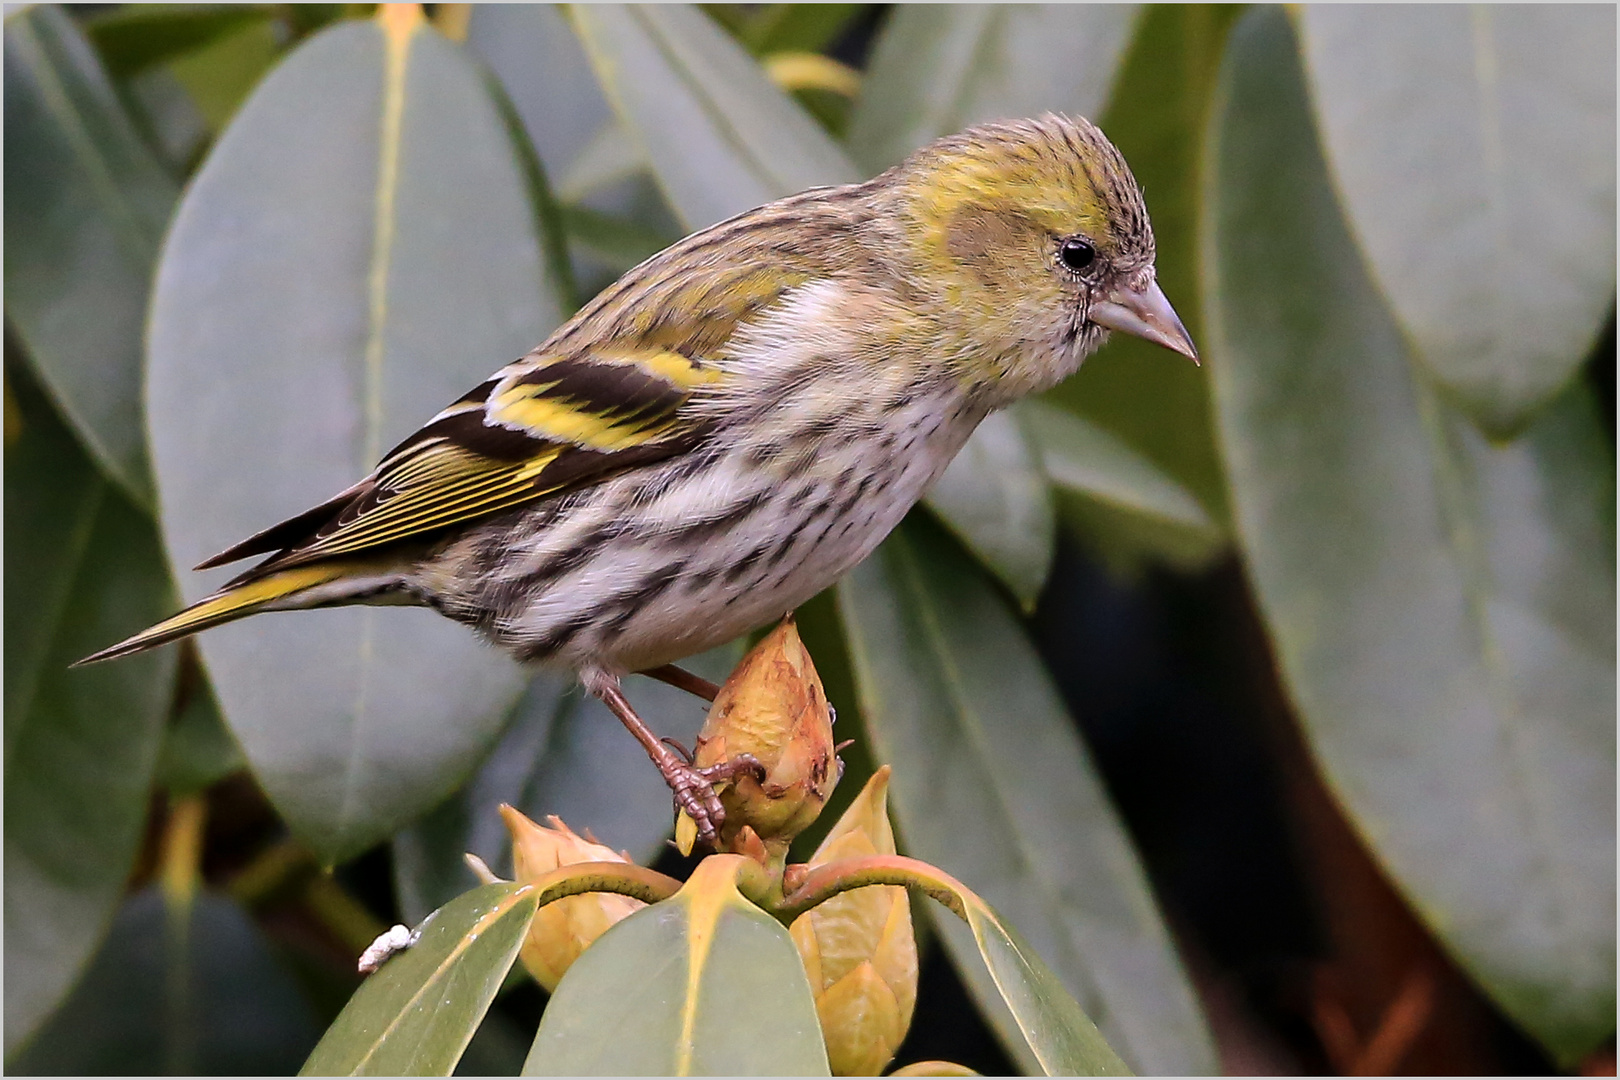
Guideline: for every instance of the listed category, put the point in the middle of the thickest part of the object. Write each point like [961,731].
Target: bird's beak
[1147,314]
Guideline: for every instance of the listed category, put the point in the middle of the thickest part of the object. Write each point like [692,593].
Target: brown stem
[825,882]
[682,679]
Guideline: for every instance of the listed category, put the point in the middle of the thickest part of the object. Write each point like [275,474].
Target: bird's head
[1028,240]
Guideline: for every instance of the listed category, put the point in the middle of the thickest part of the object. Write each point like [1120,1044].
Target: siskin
[736,422]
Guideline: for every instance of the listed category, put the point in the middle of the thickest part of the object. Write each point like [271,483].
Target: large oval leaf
[85,207]
[418,1012]
[83,567]
[939,67]
[1442,610]
[1474,149]
[703,983]
[992,784]
[358,250]
[721,137]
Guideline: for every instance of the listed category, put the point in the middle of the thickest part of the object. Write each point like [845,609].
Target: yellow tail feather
[222,607]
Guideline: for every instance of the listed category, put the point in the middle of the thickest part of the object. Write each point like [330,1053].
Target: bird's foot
[695,793]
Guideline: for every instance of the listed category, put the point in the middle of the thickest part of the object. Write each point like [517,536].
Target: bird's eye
[1077,254]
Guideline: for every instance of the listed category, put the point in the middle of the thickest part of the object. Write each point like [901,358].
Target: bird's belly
[646,570]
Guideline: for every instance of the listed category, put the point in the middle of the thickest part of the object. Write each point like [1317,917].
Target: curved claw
[695,794]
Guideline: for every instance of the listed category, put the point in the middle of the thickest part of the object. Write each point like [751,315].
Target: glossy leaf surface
[83,568]
[1442,610]
[1474,150]
[720,136]
[1060,1035]
[703,983]
[416,1014]
[358,250]
[992,784]
[938,68]
[86,203]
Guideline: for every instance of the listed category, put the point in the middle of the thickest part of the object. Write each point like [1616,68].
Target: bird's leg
[682,679]
[693,787]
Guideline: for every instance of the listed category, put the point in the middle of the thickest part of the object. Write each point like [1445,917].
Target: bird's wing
[539,426]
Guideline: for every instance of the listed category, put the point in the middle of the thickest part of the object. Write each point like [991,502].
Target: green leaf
[720,136]
[206,998]
[1152,399]
[544,72]
[609,158]
[85,207]
[994,496]
[1058,1031]
[562,753]
[198,751]
[82,568]
[429,868]
[220,74]
[415,1015]
[1474,150]
[798,27]
[1083,458]
[1129,509]
[358,250]
[137,37]
[703,983]
[992,784]
[937,68]
[168,119]
[1442,610]
[621,243]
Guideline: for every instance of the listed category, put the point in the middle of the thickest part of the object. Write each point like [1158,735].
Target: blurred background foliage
[1273,701]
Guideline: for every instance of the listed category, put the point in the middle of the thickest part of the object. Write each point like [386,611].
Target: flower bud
[858,947]
[774,708]
[563,928]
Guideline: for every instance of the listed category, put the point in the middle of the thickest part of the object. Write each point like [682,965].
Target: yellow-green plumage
[736,422]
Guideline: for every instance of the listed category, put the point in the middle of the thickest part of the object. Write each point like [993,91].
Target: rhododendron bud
[563,928]
[773,707]
[858,948]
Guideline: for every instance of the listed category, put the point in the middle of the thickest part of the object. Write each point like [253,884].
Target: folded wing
[540,426]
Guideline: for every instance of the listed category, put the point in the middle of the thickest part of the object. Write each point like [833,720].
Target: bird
[735,423]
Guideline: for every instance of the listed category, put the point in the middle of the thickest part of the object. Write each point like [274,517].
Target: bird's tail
[231,603]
